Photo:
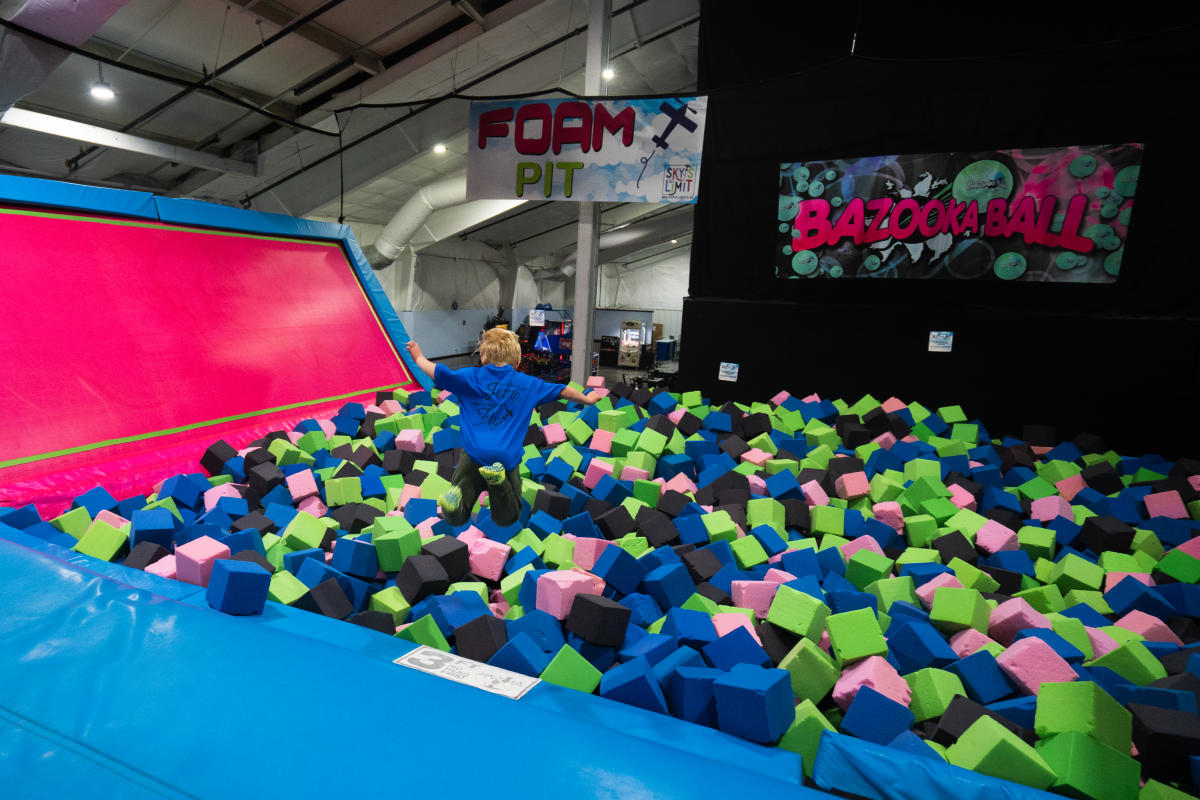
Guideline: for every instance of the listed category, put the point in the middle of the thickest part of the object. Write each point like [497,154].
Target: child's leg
[504,497]
[466,484]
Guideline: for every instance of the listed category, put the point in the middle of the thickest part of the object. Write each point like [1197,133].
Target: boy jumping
[495,402]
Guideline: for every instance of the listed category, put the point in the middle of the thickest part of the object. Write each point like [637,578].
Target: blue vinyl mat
[110,689]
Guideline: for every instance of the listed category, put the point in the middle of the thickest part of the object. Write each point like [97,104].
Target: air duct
[25,62]
[636,236]
[399,231]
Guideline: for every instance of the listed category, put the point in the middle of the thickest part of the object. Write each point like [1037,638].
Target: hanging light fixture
[100,89]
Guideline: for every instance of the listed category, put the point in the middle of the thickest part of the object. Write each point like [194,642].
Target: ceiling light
[607,73]
[674,241]
[439,148]
[100,89]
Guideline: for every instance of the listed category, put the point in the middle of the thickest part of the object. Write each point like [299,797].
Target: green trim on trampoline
[13,462]
[162,226]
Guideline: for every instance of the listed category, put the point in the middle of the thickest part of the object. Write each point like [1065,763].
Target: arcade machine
[629,352]
[546,344]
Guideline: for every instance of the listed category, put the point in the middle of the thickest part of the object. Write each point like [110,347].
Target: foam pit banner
[1057,214]
[620,150]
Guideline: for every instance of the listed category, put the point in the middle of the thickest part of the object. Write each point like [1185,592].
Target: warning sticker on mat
[513,685]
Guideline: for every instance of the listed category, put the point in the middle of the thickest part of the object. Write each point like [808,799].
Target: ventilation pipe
[397,234]
[26,62]
[623,241]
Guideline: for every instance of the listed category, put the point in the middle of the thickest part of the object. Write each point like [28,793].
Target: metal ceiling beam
[281,15]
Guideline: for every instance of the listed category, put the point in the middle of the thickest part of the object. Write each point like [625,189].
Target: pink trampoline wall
[128,347]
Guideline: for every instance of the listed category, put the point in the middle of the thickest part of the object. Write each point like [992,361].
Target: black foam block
[1165,738]
[253,557]
[796,514]
[656,527]
[555,504]
[326,598]
[1099,534]
[672,503]
[962,713]
[640,397]
[452,554]
[399,462]
[1102,477]
[598,620]
[688,424]
[955,545]
[660,424]
[421,576]
[375,620]
[264,477]
[701,565]
[1090,443]
[534,436]
[755,425]
[595,507]
[144,554]
[480,638]
[876,421]
[714,593]
[734,447]
[775,640]
[256,456]
[216,455]
[256,520]
[615,522]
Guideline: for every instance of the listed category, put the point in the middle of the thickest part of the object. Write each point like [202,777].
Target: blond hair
[500,346]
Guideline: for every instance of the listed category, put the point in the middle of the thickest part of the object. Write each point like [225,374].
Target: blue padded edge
[87,649]
[885,773]
[182,210]
[73,196]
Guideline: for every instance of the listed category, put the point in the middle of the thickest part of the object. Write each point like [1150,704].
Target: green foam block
[990,748]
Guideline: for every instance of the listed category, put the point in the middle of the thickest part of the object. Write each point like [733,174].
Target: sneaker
[494,475]
[451,500]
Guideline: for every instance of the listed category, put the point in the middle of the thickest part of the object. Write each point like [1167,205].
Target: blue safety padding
[75,197]
[184,211]
[886,773]
[79,650]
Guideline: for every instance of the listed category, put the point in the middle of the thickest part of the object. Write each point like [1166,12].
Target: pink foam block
[861,543]
[599,392]
[780,398]
[488,557]
[1102,644]
[1194,482]
[471,535]
[370,408]
[1029,663]
[892,405]
[876,673]
[425,528]
[852,485]
[313,505]
[601,441]
[442,395]
[681,483]
[961,498]
[1111,579]
[757,485]
[775,559]
[994,537]
[1045,509]
[677,415]
[595,381]
[556,591]
[1013,616]
[410,440]
[1165,504]
[756,457]
[301,484]
[595,471]
[1150,627]
[108,517]
[409,492]
[327,427]
[634,474]
[926,590]
[964,643]
[814,495]
[229,490]
[889,513]
[194,560]
[755,595]
[885,440]
[778,576]
[390,407]
[164,567]
[588,550]
[1070,486]
[1191,547]
[812,398]
[729,621]
[823,643]
[499,609]
[554,433]
[294,436]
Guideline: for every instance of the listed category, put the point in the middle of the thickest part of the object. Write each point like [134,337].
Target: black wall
[1119,360]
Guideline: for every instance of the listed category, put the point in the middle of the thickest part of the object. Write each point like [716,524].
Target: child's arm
[569,393]
[423,363]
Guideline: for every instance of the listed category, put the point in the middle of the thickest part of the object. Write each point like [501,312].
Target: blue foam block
[736,647]
[634,683]
[155,525]
[645,609]
[521,654]
[1020,710]
[917,645]
[238,587]
[418,510]
[690,696]
[754,703]
[670,585]
[692,628]
[619,569]
[654,647]
[1064,649]
[982,677]
[356,557]
[544,629]
[876,717]
[542,524]
[683,657]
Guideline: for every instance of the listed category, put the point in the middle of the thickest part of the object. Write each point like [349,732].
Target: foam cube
[1031,662]
[990,748]
[754,703]
[194,560]
[237,587]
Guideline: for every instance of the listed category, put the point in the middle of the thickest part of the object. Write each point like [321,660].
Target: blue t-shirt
[495,404]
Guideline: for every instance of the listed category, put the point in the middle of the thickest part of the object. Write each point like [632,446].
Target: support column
[599,26]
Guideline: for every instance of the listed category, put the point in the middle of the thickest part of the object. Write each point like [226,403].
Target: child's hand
[414,350]
[591,397]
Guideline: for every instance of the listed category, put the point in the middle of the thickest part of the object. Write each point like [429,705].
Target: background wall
[1118,360]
